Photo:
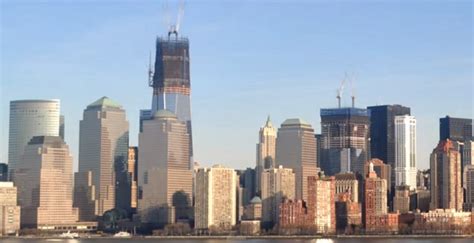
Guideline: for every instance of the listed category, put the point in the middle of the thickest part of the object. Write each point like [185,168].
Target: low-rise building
[348,214]
[250,227]
[253,211]
[443,221]
[9,210]
[401,201]
[293,213]
[382,224]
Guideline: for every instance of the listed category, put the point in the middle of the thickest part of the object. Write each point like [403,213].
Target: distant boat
[123,234]
[69,235]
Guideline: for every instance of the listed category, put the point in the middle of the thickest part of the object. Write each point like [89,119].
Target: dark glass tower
[456,129]
[382,132]
[3,172]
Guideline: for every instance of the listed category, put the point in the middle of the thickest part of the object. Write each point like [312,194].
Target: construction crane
[174,28]
[340,91]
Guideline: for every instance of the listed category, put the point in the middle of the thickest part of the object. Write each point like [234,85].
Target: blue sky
[248,59]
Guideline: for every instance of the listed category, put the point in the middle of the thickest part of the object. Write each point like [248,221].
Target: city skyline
[44,74]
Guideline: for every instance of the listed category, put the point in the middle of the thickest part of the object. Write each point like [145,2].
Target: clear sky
[248,59]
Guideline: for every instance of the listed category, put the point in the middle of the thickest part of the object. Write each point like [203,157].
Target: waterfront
[236,240]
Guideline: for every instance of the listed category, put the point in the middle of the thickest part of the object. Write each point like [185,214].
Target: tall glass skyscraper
[382,134]
[29,118]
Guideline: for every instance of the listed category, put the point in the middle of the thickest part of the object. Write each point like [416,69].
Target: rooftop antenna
[340,91]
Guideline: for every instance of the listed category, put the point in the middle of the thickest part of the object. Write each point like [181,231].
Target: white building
[216,199]
[405,151]
[29,118]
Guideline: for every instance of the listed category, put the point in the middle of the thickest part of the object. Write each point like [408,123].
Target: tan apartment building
[216,201]
[277,184]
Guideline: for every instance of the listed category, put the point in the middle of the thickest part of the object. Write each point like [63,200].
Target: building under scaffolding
[345,140]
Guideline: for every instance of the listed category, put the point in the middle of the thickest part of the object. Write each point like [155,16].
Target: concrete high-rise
[380,168]
[382,133]
[9,210]
[455,129]
[171,81]
[296,149]
[375,199]
[133,170]
[345,140]
[265,150]
[29,118]
[277,184]
[321,204]
[44,178]
[103,148]
[165,175]
[405,151]
[215,198]
[445,175]
[469,187]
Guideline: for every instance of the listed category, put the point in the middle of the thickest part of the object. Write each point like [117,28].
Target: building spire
[268,123]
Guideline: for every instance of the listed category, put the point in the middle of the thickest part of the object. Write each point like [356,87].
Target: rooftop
[345,176]
[105,102]
[256,200]
[295,121]
[344,111]
[164,114]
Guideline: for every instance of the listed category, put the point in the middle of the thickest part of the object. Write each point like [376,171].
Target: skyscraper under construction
[170,80]
[345,137]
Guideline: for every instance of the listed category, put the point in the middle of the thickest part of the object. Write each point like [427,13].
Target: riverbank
[260,237]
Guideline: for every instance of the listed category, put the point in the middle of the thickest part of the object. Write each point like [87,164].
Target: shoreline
[238,237]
